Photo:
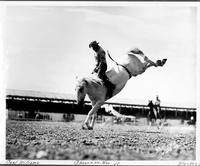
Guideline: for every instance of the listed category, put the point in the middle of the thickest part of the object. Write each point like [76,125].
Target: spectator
[158,108]
[151,113]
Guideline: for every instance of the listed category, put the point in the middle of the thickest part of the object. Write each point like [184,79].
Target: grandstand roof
[65,96]
[39,94]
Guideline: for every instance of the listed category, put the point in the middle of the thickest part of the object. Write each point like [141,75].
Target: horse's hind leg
[150,63]
[161,62]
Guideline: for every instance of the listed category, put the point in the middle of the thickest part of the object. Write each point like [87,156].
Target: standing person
[101,66]
[158,110]
[151,114]
[157,106]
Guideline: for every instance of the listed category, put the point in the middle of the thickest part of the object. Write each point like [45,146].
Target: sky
[46,48]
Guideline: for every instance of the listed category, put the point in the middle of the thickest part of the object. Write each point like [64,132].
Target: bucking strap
[129,73]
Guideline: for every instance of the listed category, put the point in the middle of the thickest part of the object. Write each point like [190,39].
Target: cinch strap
[129,73]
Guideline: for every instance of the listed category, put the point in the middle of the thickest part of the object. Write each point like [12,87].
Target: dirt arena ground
[67,141]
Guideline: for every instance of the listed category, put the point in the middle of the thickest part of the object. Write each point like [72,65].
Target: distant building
[30,102]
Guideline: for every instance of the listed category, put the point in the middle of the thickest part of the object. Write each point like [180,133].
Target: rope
[111,58]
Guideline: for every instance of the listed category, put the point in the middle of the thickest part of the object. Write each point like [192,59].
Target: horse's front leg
[94,116]
[149,63]
[91,112]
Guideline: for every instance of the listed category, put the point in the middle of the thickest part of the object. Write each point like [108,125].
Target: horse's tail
[81,91]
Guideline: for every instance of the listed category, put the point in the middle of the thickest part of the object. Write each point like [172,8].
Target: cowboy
[100,58]
[101,65]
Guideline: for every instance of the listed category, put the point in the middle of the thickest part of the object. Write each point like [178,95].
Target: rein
[129,73]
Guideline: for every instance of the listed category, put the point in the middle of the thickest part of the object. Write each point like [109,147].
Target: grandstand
[26,104]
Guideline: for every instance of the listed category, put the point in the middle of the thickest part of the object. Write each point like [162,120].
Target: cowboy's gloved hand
[95,70]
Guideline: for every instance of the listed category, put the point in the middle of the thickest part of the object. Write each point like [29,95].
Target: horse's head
[81,91]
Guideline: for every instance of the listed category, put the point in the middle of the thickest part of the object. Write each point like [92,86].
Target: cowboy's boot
[110,88]
[108,84]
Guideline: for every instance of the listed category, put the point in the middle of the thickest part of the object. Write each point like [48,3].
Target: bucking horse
[133,64]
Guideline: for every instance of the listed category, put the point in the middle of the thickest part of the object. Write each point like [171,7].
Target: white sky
[47,47]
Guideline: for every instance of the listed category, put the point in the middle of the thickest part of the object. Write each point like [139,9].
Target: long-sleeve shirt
[100,56]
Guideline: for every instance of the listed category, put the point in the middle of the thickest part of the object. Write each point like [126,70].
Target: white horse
[135,63]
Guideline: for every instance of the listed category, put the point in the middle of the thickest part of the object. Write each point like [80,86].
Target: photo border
[3,6]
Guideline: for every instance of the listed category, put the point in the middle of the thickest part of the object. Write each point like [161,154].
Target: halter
[129,73]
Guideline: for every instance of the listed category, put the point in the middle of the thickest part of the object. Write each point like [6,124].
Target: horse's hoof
[90,128]
[164,61]
[84,127]
[159,63]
